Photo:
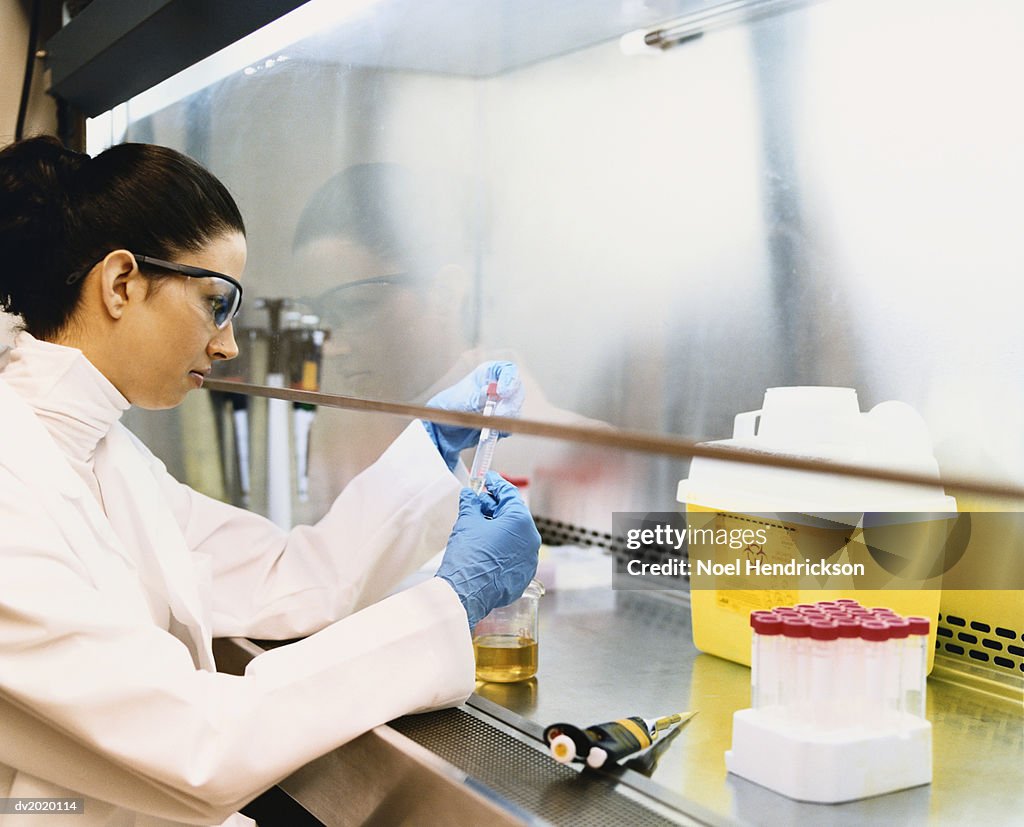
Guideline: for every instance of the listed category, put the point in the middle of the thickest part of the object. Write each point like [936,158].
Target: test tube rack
[837,703]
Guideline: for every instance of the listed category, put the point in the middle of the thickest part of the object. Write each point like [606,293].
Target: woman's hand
[492,551]
[470,394]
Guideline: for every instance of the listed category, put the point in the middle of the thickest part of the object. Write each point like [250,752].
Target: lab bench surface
[608,654]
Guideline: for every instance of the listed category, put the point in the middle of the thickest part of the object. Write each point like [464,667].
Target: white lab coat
[107,681]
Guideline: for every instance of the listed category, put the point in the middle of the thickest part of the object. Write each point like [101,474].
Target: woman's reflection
[380,257]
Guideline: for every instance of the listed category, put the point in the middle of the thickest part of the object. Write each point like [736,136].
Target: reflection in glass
[657,239]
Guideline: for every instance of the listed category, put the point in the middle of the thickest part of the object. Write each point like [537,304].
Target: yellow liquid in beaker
[505,658]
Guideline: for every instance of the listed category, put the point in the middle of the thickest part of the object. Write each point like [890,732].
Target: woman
[114,577]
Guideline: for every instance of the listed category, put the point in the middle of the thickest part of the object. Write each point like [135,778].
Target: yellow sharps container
[878,538]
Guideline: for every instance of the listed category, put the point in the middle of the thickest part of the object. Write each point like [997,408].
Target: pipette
[485,447]
[614,740]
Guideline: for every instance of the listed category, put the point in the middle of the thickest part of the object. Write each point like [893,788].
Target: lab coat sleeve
[95,701]
[275,585]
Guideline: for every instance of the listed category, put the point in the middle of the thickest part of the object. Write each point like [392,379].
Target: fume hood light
[693,26]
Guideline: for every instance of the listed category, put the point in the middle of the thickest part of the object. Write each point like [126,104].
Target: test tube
[793,680]
[915,666]
[848,669]
[899,631]
[812,616]
[822,673]
[485,447]
[755,658]
[875,637]
[764,659]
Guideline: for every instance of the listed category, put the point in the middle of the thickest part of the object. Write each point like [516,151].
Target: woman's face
[171,343]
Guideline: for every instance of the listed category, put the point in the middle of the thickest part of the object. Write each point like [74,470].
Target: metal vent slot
[994,646]
[524,775]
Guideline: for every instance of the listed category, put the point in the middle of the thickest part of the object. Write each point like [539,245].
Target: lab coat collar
[72,399]
[30,454]
[34,458]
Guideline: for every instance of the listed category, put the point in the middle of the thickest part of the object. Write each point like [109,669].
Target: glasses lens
[353,307]
[222,295]
[224,299]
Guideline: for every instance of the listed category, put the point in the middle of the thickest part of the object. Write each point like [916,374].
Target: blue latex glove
[470,394]
[492,551]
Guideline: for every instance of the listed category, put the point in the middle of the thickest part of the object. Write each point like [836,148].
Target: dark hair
[62,211]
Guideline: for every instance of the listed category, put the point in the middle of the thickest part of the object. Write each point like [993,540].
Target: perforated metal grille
[557,533]
[523,775]
[997,646]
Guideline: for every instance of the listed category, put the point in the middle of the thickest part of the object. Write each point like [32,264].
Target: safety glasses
[355,303]
[225,297]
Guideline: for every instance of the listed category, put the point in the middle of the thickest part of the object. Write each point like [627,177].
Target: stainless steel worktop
[606,654]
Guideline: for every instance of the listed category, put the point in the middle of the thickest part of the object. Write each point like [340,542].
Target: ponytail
[61,212]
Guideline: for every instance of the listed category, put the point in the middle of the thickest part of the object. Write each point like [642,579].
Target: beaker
[505,642]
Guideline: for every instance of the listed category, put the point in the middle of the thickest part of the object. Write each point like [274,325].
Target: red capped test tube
[915,666]
[764,659]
